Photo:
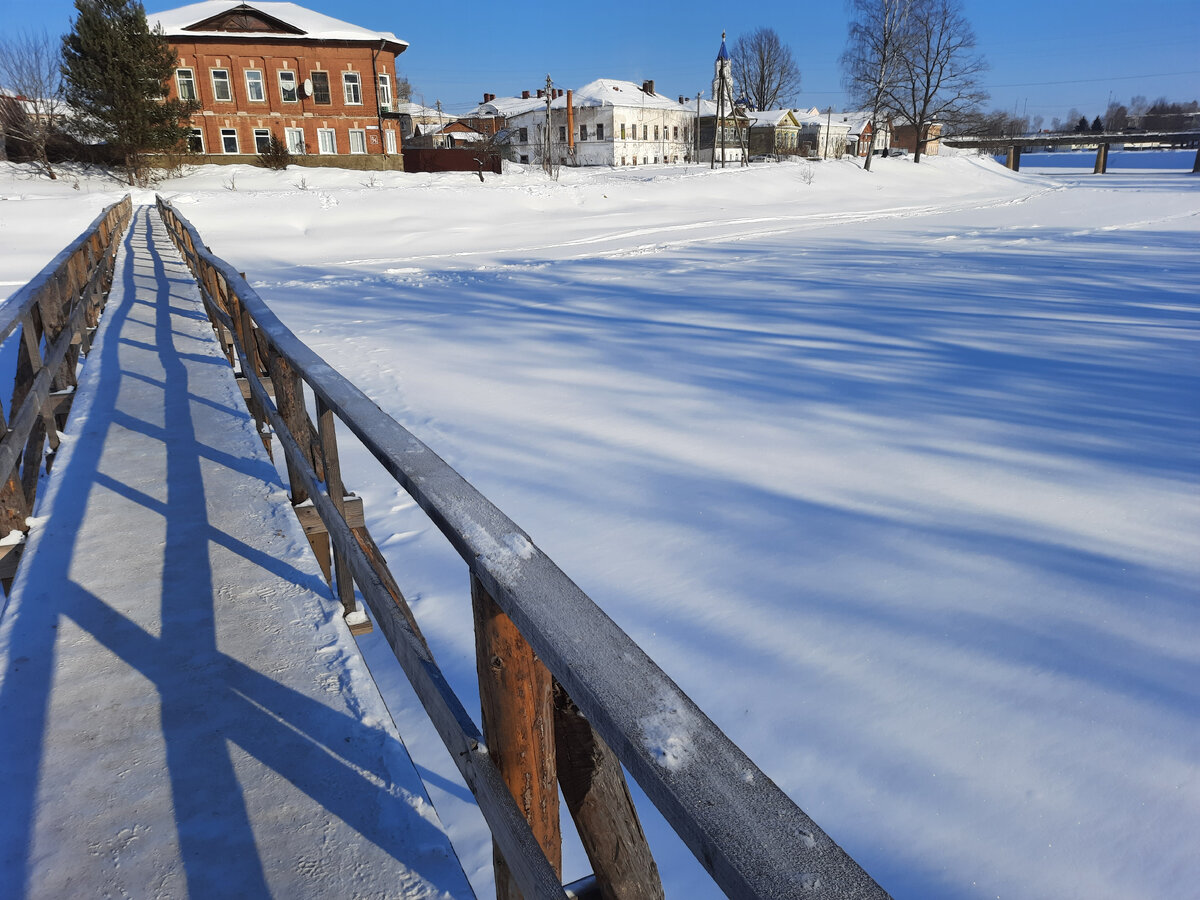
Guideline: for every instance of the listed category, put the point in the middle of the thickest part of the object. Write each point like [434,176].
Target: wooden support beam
[1101,160]
[326,430]
[310,520]
[517,700]
[597,796]
[244,384]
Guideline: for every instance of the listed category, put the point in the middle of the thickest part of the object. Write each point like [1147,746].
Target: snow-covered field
[895,473]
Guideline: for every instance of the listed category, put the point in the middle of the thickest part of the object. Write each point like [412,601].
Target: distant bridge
[1014,145]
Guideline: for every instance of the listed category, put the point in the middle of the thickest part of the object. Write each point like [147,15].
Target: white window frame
[385,91]
[326,140]
[225,80]
[190,94]
[199,135]
[294,138]
[389,141]
[264,133]
[352,88]
[284,76]
[361,135]
[317,75]
[582,132]
[230,133]
[253,84]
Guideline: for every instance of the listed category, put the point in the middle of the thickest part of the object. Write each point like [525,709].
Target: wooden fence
[567,697]
[57,313]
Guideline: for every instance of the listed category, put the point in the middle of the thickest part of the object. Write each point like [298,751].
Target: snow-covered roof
[506,106]
[313,26]
[408,108]
[612,92]
[769,118]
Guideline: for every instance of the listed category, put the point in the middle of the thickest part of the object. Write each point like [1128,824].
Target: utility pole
[696,136]
[441,134]
[828,125]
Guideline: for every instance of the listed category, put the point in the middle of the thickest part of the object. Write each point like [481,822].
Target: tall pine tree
[115,72]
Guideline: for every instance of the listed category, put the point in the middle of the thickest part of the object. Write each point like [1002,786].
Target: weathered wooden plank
[311,521]
[337,493]
[517,701]
[597,796]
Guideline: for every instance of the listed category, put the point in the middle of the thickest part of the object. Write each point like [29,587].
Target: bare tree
[870,62]
[939,72]
[34,107]
[764,69]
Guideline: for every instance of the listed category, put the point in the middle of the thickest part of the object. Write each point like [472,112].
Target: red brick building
[324,87]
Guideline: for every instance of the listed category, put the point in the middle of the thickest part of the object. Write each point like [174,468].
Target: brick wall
[347,127]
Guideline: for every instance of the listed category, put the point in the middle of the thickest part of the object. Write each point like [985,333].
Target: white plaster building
[607,123]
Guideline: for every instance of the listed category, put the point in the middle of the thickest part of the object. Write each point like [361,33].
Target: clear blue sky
[1047,56]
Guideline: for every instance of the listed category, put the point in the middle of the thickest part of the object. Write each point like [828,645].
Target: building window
[295,140]
[287,87]
[195,141]
[262,140]
[358,140]
[385,92]
[320,83]
[675,133]
[645,136]
[523,135]
[583,132]
[254,86]
[186,82]
[656,135]
[389,141]
[599,132]
[524,160]
[686,132]
[622,158]
[622,135]
[352,89]
[221,89]
[229,141]
[326,140]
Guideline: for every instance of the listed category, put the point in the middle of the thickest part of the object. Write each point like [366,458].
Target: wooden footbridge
[183,711]
[1015,145]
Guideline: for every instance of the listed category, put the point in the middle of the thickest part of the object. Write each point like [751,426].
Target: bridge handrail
[55,311]
[1065,140]
[749,835]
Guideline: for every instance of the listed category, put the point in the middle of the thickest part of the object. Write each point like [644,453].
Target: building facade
[322,86]
[605,123]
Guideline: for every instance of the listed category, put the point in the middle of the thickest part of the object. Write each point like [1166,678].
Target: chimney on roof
[524,95]
[648,86]
[682,99]
[558,92]
[541,94]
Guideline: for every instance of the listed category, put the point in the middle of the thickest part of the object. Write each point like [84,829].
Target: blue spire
[722,54]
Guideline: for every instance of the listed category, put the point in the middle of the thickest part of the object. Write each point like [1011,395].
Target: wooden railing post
[517,701]
[337,493]
[598,798]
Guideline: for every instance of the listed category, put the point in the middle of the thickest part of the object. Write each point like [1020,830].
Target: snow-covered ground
[895,473]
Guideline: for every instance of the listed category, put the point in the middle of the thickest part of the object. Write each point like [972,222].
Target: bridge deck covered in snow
[183,711]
